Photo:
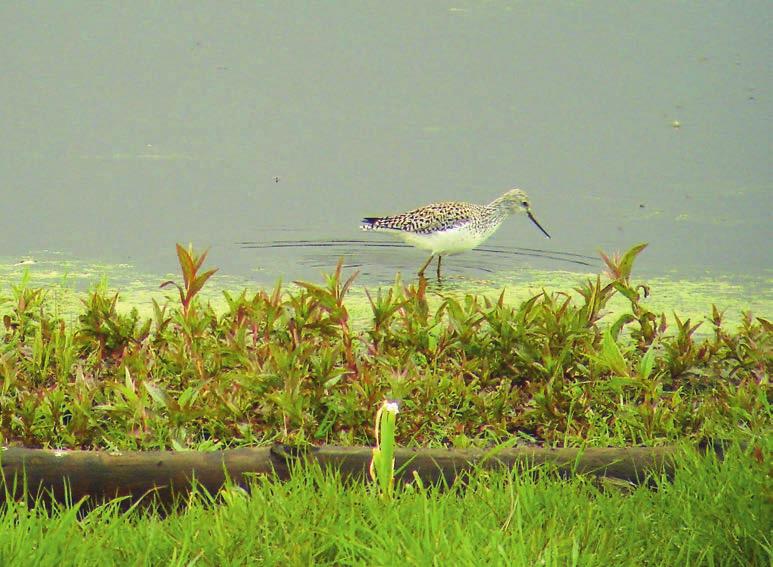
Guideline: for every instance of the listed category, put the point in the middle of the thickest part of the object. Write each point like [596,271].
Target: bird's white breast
[453,241]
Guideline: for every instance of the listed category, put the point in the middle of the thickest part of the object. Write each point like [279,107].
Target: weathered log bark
[62,475]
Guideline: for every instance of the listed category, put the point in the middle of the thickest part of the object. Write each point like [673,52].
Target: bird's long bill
[539,226]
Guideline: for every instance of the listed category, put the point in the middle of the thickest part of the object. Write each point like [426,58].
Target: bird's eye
[525,204]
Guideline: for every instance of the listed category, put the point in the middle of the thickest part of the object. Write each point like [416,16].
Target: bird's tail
[370,223]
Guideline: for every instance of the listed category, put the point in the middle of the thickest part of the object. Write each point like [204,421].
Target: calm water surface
[127,129]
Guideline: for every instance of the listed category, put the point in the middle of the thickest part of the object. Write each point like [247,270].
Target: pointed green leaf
[617,326]
[647,363]
[157,393]
[186,264]
[629,293]
[199,282]
[612,356]
[626,263]
[199,261]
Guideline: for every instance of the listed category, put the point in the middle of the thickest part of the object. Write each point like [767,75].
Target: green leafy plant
[291,365]
[193,281]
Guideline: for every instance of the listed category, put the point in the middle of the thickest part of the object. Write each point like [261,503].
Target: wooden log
[73,475]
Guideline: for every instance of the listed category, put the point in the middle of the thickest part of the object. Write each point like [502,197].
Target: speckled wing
[431,218]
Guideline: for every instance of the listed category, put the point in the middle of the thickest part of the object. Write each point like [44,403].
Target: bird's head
[514,201]
[517,201]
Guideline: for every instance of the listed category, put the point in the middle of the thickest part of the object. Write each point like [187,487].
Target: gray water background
[132,126]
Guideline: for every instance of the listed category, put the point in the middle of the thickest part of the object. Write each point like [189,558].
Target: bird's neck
[498,207]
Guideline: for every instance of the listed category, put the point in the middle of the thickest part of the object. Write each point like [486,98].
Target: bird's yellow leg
[424,267]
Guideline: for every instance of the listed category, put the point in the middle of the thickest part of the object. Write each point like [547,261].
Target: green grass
[711,513]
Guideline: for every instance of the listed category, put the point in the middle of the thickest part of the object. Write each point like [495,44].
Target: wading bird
[452,227]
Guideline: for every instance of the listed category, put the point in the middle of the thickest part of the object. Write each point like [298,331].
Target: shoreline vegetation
[289,367]
[286,370]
